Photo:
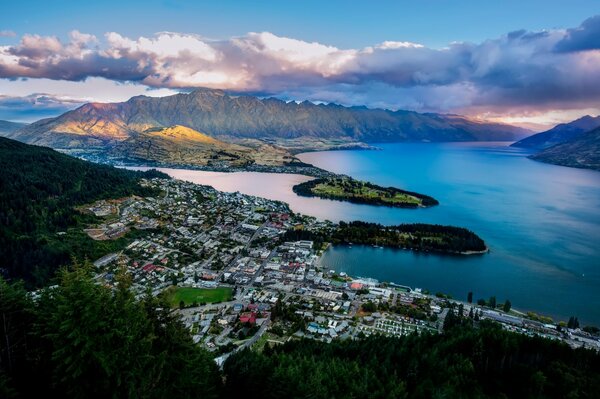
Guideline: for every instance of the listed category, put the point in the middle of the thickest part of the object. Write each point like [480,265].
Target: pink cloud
[531,70]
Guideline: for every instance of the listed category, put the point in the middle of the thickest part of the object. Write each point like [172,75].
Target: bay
[541,221]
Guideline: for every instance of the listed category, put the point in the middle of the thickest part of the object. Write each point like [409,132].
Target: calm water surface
[542,222]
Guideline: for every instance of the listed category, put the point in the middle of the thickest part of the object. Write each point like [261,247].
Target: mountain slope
[7,127]
[38,189]
[560,133]
[184,146]
[581,152]
[218,114]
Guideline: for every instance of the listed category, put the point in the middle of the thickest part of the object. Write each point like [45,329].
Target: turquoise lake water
[541,222]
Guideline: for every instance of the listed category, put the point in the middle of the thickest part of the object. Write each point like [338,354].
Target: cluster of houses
[202,238]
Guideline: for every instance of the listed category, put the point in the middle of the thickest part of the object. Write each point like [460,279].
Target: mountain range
[219,114]
[582,151]
[7,127]
[575,144]
[211,128]
[560,133]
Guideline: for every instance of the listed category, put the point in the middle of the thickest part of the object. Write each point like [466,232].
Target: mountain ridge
[583,151]
[218,114]
[560,133]
[9,126]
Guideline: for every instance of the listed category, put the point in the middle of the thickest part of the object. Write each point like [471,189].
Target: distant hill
[583,151]
[38,189]
[560,133]
[184,146]
[219,114]
[7,127]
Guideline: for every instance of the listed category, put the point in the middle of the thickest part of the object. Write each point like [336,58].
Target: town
[228,264]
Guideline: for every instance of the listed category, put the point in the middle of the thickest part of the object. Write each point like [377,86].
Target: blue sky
[526,62]
[341,23]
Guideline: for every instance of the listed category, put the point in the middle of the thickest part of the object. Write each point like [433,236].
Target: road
[221,359]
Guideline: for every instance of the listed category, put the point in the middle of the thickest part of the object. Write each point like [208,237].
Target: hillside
[583,151]
[85,336]
[464,362]
[39,188]
[7,127]
[560,133]
[184,146]
[219,114]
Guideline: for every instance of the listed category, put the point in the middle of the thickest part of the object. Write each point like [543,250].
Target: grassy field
[343,189]
[362,192]
[190,295]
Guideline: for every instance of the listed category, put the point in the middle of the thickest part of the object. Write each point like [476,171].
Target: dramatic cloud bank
[547,70]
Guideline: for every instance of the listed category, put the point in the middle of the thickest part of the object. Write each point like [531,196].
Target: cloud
[585,37]
[522,69]
[7,33]
[20,99]
[35,106]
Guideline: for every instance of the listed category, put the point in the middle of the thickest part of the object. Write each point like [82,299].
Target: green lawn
[336,189]
[190,295]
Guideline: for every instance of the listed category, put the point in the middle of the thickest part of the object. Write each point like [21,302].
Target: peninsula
[343,188]
[420,237]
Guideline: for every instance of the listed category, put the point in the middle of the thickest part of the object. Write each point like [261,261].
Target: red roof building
[248,317]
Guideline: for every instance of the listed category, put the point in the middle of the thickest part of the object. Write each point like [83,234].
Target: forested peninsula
[344,188]
[415,236]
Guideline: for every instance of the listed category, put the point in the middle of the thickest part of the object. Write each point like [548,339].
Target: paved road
[256,336]
[221,359]
[442,318]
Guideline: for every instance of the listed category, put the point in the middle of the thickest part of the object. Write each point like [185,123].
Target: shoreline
[382,205]
[437,253]
[458,255]
[467,255]
[415,249]
[349,189]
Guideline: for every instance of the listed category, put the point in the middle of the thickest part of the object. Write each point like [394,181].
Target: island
[344,188]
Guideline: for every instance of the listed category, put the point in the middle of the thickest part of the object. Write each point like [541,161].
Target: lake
[541,222]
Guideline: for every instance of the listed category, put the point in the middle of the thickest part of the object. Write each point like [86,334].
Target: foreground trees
[464,362]
[84,340]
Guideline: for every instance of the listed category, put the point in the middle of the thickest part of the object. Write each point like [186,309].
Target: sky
[532,63]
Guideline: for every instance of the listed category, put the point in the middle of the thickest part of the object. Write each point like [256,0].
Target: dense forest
[416,236]
[38,189]
[463,362]
[84,340]
[361,192]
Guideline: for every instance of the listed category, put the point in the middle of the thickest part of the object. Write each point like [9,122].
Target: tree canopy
[463,362]
[82,340]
